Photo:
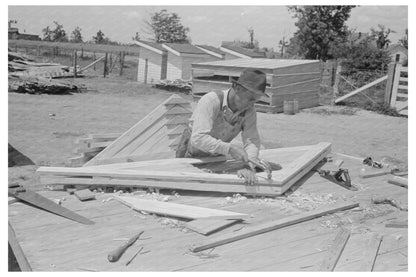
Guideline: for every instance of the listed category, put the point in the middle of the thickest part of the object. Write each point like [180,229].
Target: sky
[208,24]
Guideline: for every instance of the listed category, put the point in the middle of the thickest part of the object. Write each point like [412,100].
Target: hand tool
[37,200]
[340,177]
[115,255]
[134,256]
[369,161]
[264,165]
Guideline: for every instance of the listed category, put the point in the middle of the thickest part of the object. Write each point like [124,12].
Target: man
[220,116]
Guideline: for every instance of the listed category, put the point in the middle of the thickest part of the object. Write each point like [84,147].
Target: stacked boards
[287,80]
[195,174]
[155,136]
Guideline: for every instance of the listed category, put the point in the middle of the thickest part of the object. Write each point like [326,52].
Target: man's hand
[248,175]
[238,153]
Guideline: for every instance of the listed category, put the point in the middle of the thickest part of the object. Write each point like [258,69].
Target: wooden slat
[361,89]
[273,225]
[207,226]
[401,105]
[17,250]
[370,253]
[334,253]
[404,79]
[405,95]
[176,210]
[398,181]
[397,224]
[395,85]
[404,69]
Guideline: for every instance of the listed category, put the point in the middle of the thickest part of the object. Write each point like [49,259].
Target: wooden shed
[181,57]
[286,80]
[152,63]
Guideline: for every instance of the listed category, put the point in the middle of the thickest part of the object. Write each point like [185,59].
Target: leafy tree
[404,40]
[167,27]
[58,34]
[381,36]
[99,38]
[76,35]
[320,29]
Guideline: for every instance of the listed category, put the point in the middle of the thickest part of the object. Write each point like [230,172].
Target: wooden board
[182,174]
[207,226]
[371,252]
[175,210]
[273,225]
[398,181]
[139,138]
[334,253]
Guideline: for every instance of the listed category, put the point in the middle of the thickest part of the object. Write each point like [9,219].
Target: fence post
[93,58]
[15,48]
[145,70]
[336,79]
[105,64]
[75,64]
[111,61]
[389,84]
[38,48]
[82,53]
[121,62]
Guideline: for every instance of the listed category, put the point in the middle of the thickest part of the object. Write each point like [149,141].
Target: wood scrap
[207,226]
[370,172]
[273,225]
[388,200]
[398,181]
[84,194]
[176,210]
[39,85]
[397,224]
[334,253]
[18,251]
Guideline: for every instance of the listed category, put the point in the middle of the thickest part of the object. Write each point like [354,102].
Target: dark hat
[253,80]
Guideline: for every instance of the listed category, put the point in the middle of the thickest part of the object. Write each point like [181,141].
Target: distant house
[171,61]
[236,52]
[398,53]
[14,34]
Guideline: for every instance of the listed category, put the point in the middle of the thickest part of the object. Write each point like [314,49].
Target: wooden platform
[53,243]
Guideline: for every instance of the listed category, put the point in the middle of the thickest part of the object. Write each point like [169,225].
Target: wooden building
[170,61]
[286,80]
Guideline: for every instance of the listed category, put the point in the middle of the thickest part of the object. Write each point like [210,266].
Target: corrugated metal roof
[244,51]
[258,63]
[185,48]
[212,49]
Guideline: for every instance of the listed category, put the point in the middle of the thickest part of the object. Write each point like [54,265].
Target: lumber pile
[176,85]
[90,145]
[26,76]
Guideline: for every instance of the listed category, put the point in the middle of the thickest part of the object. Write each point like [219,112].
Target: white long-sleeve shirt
[214,126]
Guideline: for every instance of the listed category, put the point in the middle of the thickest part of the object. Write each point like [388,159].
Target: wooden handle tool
[115,255]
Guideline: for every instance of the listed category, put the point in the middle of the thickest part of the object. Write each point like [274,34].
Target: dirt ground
[44,127]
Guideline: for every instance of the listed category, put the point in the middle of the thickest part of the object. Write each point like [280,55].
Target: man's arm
[250,134]
[203,119]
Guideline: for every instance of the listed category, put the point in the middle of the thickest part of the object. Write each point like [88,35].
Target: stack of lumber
[38,85]
[176,85]
[287,80]
[26,76]
[24,67]
[89,146]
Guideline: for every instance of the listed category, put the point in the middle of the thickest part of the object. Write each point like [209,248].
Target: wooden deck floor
[53,243]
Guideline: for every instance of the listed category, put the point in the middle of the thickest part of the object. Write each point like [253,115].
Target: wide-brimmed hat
[253,80]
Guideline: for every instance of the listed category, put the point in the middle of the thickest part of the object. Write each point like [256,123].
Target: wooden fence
[397,88]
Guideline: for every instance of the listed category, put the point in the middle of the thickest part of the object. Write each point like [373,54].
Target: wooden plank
[395,85]
[273,225]
[17,251]
[175,210]
[286,79]
[369,172]
[397,224]
[361,89]
[401,105]
[207,226]
[370,253]
[191,186]
[398,181]
[312,84]
[334,253]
